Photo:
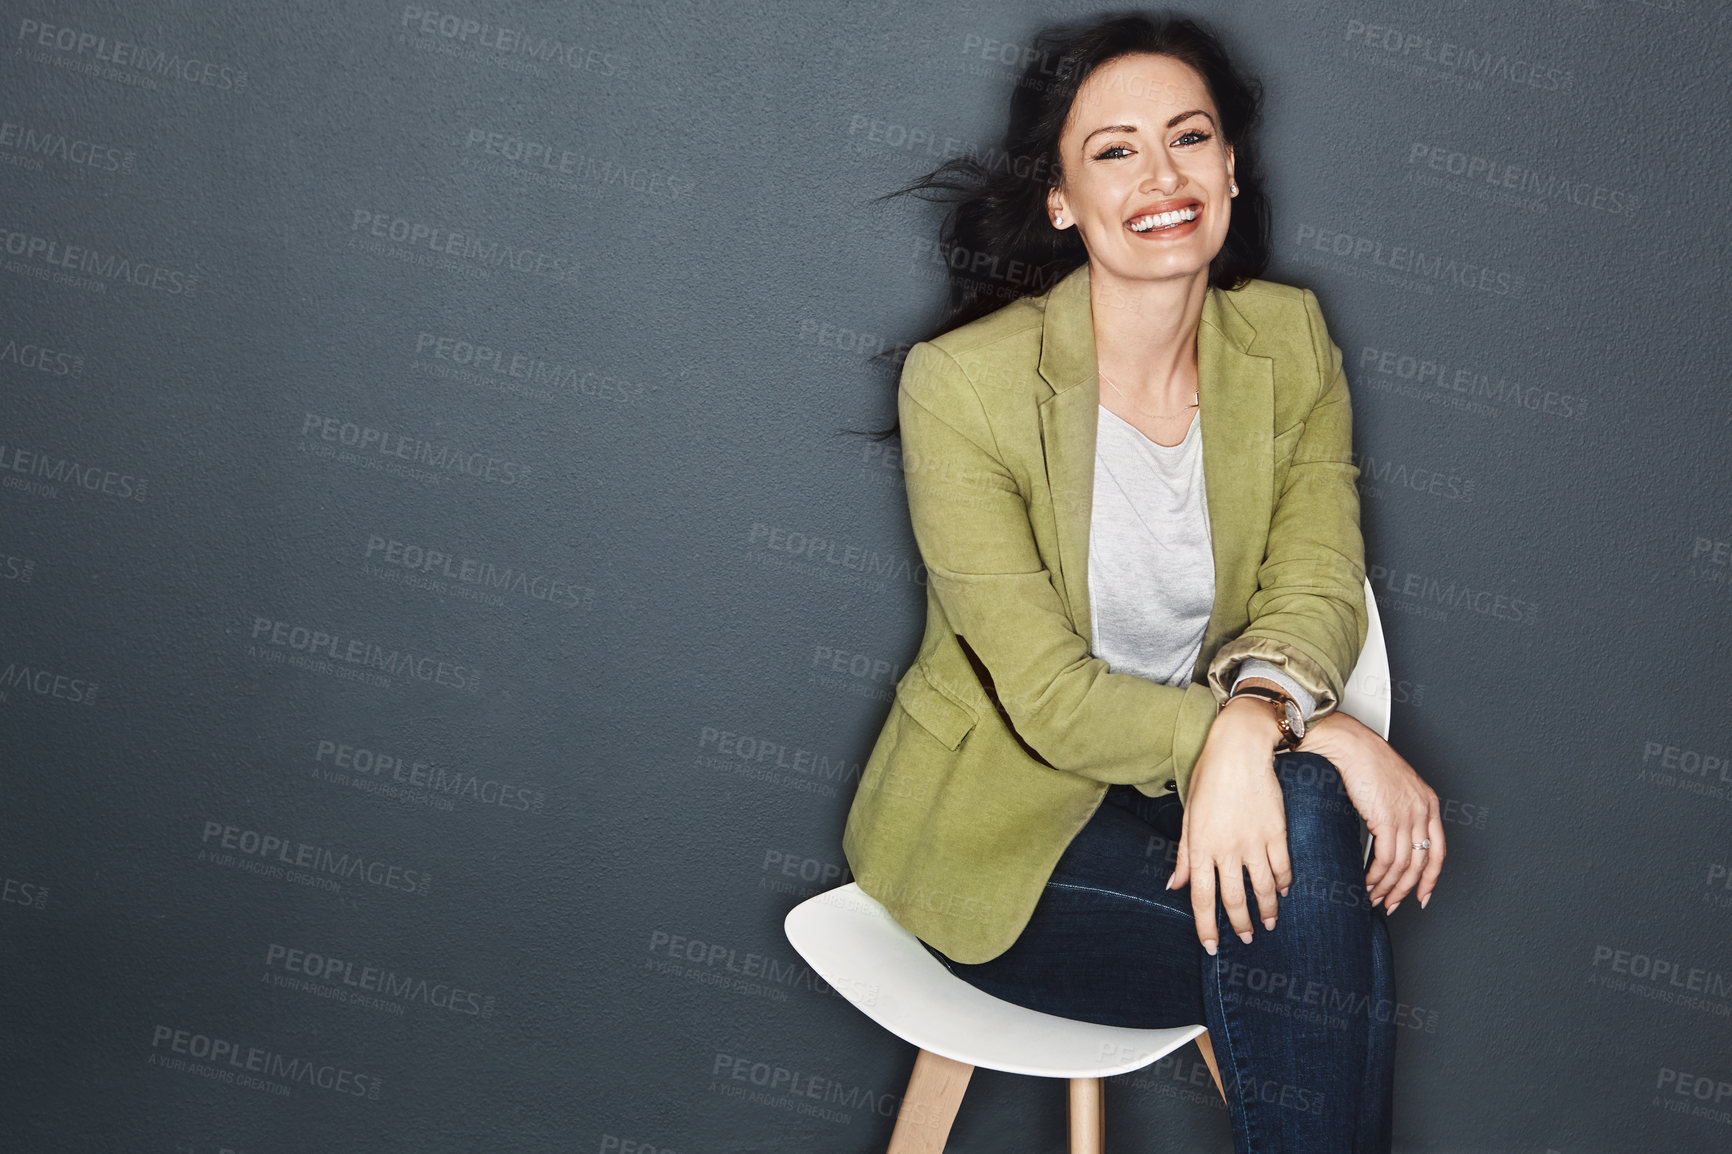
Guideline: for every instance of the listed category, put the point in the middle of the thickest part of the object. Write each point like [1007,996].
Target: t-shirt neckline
[1190,430]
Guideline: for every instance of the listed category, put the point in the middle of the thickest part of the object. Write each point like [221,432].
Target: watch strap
[1289,739]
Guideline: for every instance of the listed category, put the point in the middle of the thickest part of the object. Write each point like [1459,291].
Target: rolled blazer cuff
[1293,660]
[1256,667]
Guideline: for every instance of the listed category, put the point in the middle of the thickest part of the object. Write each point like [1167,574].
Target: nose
[1163,174]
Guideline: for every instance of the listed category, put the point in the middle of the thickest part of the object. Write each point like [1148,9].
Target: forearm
[1061,701]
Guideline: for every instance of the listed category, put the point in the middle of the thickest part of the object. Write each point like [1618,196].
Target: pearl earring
[1235,190]
[1057,221]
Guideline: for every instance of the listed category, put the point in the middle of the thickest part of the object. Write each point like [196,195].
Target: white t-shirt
[1151,564]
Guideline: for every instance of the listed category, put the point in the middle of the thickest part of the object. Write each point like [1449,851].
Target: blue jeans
[1302,1019]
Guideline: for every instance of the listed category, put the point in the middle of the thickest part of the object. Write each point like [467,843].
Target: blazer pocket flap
[936,713]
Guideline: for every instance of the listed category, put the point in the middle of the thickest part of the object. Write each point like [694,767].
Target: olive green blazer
[1006,729]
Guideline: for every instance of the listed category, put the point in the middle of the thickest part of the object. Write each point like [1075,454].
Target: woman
[1116,786]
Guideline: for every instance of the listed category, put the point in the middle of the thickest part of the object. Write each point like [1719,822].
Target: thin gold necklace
[1195,399]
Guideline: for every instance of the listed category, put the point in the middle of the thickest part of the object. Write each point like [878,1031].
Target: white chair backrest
[1368,686]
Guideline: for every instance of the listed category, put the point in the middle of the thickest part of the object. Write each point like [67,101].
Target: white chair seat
[852,942]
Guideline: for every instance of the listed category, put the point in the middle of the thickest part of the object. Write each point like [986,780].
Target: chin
[1170,269]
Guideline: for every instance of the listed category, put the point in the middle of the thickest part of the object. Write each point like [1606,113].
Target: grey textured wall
[441,623]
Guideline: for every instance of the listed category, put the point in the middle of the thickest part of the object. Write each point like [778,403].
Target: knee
[1319,811]
[1310,783]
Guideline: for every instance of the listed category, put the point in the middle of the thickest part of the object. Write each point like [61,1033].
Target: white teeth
[1164,219]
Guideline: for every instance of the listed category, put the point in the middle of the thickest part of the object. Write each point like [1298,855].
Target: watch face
[1295,719]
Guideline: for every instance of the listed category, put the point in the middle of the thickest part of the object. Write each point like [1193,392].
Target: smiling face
[1146,176]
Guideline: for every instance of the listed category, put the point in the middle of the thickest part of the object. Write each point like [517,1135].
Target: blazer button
[1172,787]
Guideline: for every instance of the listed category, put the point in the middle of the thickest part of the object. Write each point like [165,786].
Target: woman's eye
[1194,136]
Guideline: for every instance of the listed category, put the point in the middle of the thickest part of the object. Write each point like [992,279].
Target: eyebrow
[1132,128]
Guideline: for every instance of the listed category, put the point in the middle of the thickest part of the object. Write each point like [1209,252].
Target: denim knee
[1322,823]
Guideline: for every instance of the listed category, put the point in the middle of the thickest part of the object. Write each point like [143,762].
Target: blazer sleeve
[1308,615]
[971,523]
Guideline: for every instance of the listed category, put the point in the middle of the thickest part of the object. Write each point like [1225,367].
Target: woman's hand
[1399,809]
[1234,821]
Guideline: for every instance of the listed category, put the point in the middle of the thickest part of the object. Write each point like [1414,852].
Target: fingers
[1434,860]
[1233,897]
[1401,857]
[1181,868]
[1203,907]
[1281,866]
[1263,885]
[1231,889]
[1383,839]
[1421,819]
[1409,877]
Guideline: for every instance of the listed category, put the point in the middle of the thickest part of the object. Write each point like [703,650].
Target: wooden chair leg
[1088,1116]
[929,1106]
[1208,1049]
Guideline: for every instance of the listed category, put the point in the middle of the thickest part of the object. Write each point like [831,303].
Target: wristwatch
[1287,713]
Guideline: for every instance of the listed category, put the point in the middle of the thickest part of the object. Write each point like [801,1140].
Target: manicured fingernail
[1284,890]
[1423,900]
[1210,946]
[1169,883]
[1245,937]
[1389,909]
[1268,923]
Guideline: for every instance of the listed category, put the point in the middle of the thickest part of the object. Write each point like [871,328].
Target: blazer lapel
[1068,422]
[1236,396]
[1236,399]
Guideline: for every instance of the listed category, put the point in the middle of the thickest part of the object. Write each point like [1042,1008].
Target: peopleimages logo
[350,981]
[552,164]
[388,774]
[1424,591]
[438,240]
[103,50]
[41,358]
[1505,177]
[816,550]
[475,363]
[27,146]
[445,458]
[724,749]
[1374,471]
[1452,57]
[429,561]
[1409,258]
[32,895]
[318,644]
[796,1091]
[23,677]
[50,471]
[1471,383]
[321,860]
[507,42]
[54,253]
[230,1061]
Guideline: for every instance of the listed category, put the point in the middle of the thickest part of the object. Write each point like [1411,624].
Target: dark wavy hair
[997,242]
